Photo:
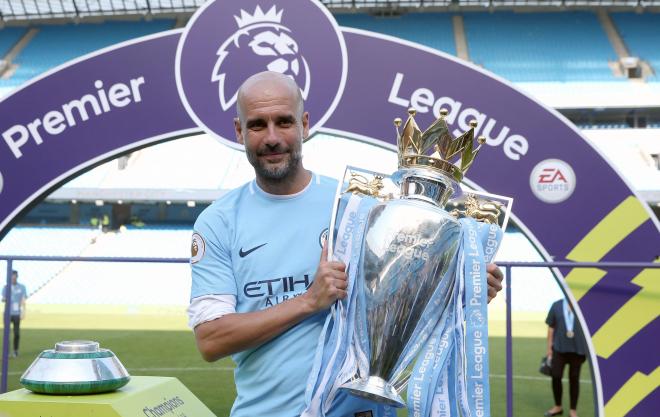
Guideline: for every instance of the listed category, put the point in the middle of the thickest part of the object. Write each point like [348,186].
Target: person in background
[566,345]
[16,307]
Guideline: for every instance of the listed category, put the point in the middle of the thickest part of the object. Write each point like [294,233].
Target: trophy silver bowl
[407,252]
[75,367]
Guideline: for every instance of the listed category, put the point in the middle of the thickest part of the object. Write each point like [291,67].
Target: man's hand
[495,277]
[330,283]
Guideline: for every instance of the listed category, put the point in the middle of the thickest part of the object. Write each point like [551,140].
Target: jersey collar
[255,189]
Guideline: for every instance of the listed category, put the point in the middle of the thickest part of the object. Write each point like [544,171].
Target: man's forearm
[240,331]
[551,333]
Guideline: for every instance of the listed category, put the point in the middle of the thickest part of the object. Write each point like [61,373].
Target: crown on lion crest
[451,156]
[247,19]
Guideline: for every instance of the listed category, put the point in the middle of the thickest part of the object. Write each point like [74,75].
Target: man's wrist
[307,304]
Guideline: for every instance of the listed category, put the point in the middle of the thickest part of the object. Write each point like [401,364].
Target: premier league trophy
[407,267]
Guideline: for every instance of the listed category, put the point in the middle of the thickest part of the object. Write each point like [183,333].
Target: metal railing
[506,266]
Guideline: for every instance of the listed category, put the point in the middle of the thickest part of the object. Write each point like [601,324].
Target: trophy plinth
[377,389]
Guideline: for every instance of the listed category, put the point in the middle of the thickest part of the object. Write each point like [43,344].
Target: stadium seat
[430,29]
[532,47]
[126,283]
[44,241]
[54,45]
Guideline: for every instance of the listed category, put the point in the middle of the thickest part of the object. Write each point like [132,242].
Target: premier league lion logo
[261,43]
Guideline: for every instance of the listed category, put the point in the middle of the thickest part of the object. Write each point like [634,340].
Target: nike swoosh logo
[243,254]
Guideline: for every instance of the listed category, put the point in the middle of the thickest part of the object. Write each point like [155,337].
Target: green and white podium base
[143,396]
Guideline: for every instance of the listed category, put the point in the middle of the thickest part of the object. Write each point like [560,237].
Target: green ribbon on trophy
[416,314]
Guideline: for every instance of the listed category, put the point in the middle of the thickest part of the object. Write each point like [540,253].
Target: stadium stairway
[641,34]
[517,46]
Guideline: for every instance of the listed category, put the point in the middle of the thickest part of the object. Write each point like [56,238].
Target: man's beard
[275,173]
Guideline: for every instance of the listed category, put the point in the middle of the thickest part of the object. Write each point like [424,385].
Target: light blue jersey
[265,249]
[18,294]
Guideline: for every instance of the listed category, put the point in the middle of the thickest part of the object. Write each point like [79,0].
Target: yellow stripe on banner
[609,232]
[614,227]
[639,311]
[580,280]
[638,387]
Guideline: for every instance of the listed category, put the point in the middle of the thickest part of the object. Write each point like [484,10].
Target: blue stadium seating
[54,45]
[641,33]
[526,47]
[43,241]
[126,283]
[8,38]
[430,29]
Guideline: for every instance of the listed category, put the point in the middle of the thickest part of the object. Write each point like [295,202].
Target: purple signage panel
[86,111]
[569,199]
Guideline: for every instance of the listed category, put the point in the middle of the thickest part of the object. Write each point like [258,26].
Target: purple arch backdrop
[570,200]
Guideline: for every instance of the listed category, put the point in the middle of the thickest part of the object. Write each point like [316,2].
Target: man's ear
[305,123]
[239,130]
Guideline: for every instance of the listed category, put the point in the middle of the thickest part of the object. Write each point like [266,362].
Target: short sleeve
[551,320]
[210,260]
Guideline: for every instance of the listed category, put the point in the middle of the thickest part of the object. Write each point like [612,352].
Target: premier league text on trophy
[355,221]
[477,276]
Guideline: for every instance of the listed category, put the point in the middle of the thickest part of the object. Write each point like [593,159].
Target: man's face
[14,278]
[272,128]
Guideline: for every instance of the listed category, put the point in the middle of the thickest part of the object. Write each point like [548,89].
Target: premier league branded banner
[569,199]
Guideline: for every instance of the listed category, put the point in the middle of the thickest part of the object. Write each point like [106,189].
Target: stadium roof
[23,10]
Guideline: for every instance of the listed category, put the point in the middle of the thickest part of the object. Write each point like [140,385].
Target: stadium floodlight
[191,204]
[98,203]
[120,201]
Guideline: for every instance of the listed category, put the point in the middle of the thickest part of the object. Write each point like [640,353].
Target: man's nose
[272,137]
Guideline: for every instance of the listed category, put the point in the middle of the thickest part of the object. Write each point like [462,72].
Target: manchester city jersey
[265,249]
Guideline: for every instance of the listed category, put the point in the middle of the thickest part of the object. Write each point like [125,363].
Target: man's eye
[256,126]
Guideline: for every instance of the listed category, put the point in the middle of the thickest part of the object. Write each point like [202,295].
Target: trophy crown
[451,156]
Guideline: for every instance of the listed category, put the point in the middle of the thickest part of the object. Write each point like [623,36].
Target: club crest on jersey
[197,248]
[323,237]
[263,42]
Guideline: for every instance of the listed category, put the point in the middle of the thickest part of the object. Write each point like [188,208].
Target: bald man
[262,286]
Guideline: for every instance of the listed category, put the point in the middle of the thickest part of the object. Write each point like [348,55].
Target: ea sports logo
[552,181]
[227,41]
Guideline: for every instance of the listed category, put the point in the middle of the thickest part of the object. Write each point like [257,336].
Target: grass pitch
[173,353]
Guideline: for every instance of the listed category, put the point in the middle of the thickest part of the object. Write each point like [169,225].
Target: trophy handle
[359,184]
[482,210]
